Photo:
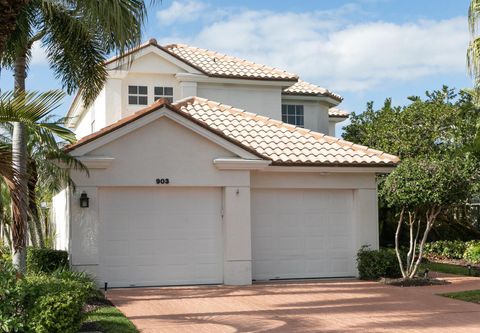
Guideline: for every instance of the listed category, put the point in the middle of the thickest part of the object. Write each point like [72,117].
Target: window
[164,92]
[293,114]
[137,95]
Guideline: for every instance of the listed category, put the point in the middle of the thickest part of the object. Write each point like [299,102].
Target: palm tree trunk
[32,205]
[19,162]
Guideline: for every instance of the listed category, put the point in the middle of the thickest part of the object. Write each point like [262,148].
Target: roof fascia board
[163,112]
[212,79]
[332,169]
[158,51]
[336,119]
[326,99]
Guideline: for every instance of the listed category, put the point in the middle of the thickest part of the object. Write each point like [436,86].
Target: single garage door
[302,234]
[160,236]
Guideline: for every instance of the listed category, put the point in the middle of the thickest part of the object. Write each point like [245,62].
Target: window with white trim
[293,114]
[163,92]
[137,95]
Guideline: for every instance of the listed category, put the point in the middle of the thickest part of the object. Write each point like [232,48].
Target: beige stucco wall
[263,100]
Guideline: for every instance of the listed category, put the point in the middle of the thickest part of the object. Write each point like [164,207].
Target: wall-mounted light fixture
[84,200]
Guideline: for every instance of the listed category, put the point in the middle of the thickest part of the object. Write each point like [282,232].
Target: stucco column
[84,231]
[365,212]
[187,89]
[237,269]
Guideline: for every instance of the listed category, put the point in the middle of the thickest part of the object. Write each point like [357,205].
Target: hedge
[375,264]
[42,303]
[46,260]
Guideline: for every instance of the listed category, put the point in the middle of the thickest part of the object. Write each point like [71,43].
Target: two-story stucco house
[209,169]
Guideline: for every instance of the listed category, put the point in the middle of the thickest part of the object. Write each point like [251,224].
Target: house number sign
[162,181]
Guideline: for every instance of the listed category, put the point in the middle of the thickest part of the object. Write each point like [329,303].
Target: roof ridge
[227,56]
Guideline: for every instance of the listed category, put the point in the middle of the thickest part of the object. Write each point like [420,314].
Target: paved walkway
[309,306]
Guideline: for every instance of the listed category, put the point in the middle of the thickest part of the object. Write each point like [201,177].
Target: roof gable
[159,109]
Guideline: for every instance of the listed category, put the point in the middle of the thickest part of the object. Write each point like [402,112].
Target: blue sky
[362,49]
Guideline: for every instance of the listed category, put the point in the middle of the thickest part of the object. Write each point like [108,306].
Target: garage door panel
[304,233]
[155,236]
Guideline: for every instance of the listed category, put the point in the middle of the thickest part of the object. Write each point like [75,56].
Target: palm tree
[30,110]
[77,36]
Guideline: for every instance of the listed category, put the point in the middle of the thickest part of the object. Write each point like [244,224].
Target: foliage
[422,183]
[446,249]
[77,36]
[445,121]
[46,260]
[54,302]
[374,264]
[11,297]
[472,253]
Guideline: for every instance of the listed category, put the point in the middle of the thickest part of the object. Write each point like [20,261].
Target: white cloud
[325,48]
[38,54]
[181,12]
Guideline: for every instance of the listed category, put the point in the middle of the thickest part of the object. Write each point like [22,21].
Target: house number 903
[163,181]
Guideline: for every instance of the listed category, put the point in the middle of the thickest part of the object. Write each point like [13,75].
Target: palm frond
[75,51]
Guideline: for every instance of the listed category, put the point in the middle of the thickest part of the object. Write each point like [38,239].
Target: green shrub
[472,254]
[53,303]
[11,299]
[446,249]
[374,264]
[46,260]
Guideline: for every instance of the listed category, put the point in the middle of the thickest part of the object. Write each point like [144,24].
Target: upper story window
[293,114]
[164,92]
[137,95]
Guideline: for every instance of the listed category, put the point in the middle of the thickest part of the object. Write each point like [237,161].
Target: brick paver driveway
[309,306]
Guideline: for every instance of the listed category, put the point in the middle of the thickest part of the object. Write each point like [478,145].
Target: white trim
[336,120]
[163,112]
[326,99]
[240,164]
[212,79]
[332,169]
[153,49]
[96,162]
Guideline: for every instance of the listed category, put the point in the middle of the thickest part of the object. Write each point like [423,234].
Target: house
[208,169]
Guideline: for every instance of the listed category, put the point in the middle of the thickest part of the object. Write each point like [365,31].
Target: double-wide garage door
[153,236]
[173,236]
[302,234]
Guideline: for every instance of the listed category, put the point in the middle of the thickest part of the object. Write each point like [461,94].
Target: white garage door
[153,236]
[302,234]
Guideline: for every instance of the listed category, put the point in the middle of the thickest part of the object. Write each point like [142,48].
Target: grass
[446,268]
[108,319]
[467,296]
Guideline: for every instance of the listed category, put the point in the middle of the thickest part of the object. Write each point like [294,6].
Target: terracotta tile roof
[303,88]
[221,65]
[282,143]
[334,112]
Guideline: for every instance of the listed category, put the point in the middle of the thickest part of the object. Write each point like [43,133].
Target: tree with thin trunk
[423,188]
[77,36]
